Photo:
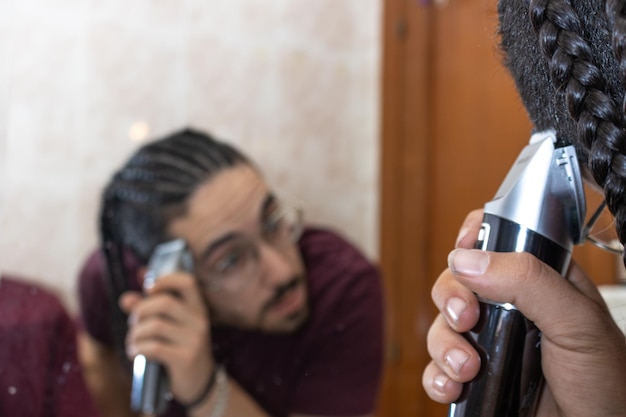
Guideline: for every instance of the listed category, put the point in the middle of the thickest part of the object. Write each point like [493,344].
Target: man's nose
[275,264]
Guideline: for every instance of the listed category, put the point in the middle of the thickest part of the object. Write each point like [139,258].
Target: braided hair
[150,190]
[568,60]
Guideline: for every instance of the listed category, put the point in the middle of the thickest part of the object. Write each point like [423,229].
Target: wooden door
[452,127]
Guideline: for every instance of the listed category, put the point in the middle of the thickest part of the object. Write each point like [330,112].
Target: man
[273,320]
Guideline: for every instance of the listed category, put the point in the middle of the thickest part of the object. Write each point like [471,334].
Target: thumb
[538,291]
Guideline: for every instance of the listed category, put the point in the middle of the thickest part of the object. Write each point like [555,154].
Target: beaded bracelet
[222,393]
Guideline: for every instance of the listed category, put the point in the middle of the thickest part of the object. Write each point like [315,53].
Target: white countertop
[615,296]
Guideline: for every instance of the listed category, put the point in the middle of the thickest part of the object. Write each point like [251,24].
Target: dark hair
[151,189]
[566,58]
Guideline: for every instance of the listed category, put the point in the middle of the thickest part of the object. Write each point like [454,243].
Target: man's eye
[228,262]
[274,225]
[271,226]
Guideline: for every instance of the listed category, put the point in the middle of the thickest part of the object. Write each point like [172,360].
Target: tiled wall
[293,83]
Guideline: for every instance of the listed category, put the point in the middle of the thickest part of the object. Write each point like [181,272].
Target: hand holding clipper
[150,387]
[540,209]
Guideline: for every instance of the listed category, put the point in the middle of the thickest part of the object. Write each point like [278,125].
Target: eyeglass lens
[237,260]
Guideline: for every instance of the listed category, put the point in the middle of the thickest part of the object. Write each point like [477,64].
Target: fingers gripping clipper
[539,208]
[150,386]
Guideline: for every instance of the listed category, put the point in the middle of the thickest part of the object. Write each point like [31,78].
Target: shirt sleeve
[93,297]
[40,374]
[69,391]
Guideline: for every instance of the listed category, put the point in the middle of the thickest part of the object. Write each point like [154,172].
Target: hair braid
[114,259]
[589,101]
[615,13]
[150,190]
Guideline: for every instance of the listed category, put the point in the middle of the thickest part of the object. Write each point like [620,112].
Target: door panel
[452,125]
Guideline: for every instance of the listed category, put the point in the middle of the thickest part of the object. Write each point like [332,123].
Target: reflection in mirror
[293,86]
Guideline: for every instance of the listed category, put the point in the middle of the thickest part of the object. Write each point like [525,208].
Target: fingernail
[462,233]
[455,359]
[454,308]
[470,262]
[439,383]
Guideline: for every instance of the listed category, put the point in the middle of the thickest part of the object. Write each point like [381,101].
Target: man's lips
[290,302]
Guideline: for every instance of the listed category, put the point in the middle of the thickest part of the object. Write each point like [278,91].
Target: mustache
[280,292]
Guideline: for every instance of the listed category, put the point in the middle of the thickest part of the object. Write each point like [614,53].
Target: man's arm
[105,377]
[236,402]
[110,386]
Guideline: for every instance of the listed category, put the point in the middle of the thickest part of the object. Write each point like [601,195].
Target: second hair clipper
[539,208]
[150,387]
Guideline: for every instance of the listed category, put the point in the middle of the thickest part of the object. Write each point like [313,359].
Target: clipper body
[150,387]
[540,209]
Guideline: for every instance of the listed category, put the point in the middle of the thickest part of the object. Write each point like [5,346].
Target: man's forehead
[229,201]
[231,183]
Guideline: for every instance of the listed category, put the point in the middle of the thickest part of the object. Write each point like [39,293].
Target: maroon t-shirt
[331,366]
[39,371]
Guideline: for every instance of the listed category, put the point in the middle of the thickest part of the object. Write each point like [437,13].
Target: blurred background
[386,119]
[295,85]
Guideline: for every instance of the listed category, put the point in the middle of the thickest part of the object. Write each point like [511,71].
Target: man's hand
[170,325]
[583,350]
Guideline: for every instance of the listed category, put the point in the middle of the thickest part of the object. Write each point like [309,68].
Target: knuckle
[158,327]
[526,265]
[475,214]
[169,302]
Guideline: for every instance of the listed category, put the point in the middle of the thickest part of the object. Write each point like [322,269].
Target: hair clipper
[150,387]
[539,208]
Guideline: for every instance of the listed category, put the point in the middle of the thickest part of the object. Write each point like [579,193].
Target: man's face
[252,273]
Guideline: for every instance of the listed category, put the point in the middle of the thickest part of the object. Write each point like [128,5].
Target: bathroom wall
[82,83]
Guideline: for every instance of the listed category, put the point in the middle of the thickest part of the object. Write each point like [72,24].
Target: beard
[291,322]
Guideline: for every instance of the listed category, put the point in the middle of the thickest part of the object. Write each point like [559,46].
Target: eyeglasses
[236,262]
[600,228]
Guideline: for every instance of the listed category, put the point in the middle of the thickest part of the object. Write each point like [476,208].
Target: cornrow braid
[116,272]
[615,14]
[600,121]
[150,190]
[566,59]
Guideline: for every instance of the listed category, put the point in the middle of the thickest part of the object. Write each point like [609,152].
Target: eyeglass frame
[212,283]
[587,236]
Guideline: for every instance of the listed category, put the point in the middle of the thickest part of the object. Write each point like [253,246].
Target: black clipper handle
[508,343]
[540,209]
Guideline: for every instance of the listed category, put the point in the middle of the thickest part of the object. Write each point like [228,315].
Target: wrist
[205,392]
[216,401]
